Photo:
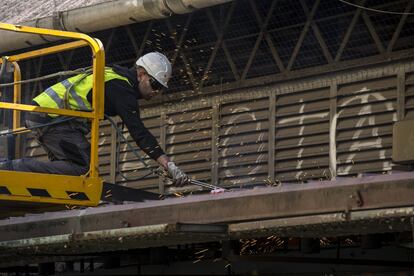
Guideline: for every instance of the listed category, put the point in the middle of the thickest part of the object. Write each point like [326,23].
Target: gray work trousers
[66,145]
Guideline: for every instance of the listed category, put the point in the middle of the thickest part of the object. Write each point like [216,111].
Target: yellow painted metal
[48,51]
[98,108]
[92,42]
[16,94]
[17,99]
[57,186]
[33,108]
[21,130]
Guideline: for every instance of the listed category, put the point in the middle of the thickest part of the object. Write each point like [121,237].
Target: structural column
[215,131]
[271,138]
[401,93]
[333,119]
[163,139]
[114,155]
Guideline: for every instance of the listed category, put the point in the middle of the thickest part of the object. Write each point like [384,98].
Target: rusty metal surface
[409,95]
[312,140]
[328,225]
[12,208]
[310,133]
[314,198]
[403,148]
[116,239]
[355,206]
[271,76]
[25,251]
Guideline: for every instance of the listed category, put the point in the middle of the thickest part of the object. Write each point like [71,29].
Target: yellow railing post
[98,107]
[16,99]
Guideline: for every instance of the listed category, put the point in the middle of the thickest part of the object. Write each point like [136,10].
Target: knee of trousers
[6,165]
[23,165]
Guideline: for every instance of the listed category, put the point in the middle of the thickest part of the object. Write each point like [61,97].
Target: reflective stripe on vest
[77,89]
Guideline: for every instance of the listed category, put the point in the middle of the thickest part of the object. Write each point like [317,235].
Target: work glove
[178,176]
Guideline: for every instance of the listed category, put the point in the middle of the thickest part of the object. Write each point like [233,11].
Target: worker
[65,143]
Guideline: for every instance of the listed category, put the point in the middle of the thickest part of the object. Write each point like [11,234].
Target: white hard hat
[157,65]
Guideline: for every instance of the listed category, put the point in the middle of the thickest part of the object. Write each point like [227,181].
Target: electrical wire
[57,74]
[375,10]
[122,136]
[117,161]
[152,171]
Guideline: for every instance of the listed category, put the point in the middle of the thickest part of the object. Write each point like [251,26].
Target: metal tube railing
[20,184]
[98,65]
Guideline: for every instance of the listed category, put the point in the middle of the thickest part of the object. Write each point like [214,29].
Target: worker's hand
[178,176]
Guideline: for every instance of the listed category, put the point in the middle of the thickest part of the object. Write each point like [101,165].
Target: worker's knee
[6,165]
[25,165]
[22,165]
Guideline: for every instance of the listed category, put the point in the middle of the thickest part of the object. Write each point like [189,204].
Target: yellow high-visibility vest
[77,89]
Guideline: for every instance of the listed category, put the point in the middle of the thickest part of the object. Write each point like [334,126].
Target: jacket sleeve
[126,107]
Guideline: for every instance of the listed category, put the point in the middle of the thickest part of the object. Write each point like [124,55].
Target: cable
[57,74]
[19,131]
[375,10]
[117,161]
[120,134]
[3,66]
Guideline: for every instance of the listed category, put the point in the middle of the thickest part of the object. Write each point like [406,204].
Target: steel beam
[318,34]
[230,61]
[217,45]
[401,23]
[286,200]
[328,225]
[180,52]
[349,32]
[373,33]
[263,27]
[68,246]
[302,35]
[401,93]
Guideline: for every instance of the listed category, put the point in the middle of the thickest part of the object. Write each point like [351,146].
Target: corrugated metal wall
[243,141]
[311,129]
[409,94]
[254,98]
[366,112]
[302,135]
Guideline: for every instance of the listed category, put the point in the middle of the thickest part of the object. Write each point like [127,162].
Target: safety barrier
[82,190]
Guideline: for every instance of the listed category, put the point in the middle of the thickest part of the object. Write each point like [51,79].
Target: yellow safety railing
[47,188]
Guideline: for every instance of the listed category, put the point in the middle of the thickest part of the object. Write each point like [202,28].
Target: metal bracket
[354,200]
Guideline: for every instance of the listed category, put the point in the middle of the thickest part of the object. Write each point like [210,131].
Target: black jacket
[122,99]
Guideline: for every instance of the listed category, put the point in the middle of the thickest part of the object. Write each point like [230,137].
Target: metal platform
[371,204]
[37,188]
